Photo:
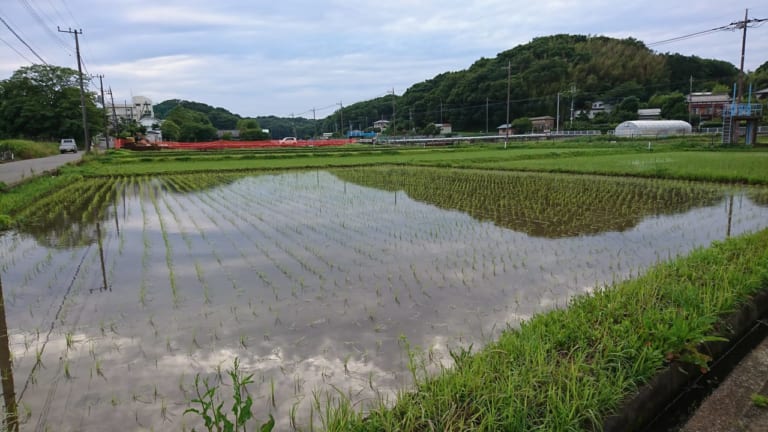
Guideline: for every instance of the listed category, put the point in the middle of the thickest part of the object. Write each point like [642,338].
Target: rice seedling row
[319,283]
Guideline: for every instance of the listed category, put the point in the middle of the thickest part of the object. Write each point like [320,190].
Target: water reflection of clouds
[437,277]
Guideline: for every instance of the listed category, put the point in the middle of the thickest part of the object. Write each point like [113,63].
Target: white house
[445,128]
[140,107]
[381,124]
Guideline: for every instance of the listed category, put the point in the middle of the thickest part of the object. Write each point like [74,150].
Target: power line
[688,36]
[17,51]
[39,19]
[23,41]
[736,25]
[69,11]
[56,10]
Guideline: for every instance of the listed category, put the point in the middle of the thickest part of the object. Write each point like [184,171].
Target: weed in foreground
[211,406]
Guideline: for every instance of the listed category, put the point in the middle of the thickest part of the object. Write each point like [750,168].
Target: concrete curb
[653,398]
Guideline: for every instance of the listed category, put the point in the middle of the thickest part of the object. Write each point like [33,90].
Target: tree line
[42,101]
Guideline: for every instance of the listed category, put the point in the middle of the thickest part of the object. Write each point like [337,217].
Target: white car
[288,140]
[67,145]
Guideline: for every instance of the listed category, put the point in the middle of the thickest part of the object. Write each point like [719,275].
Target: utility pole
[743,25]
[6,372]
[573,91]
[486,115]
[509,74]
[740,92]
[690,92]
[82,91]
[410,112]
[341,113]
[104,107]
[557,121]
[314,120]
[394,131]
[114,111]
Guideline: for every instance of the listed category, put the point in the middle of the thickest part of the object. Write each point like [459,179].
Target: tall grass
[26,149]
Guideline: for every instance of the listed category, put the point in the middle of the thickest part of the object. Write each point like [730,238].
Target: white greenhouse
[652,128]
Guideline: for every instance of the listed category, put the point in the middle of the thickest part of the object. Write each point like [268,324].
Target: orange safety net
[222,145]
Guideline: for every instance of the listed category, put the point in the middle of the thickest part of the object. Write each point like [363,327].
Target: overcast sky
[266,57]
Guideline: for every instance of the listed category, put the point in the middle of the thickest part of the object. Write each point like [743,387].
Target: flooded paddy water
[119,291]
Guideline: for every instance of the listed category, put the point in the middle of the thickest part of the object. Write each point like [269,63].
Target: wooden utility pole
[104,106]
[82,90]
[6,371]
[114,112]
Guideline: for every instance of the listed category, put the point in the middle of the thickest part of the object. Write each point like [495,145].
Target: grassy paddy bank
[568,369]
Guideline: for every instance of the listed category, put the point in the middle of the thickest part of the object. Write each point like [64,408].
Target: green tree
[674,107]
[193,126]
[430,129]
[194,132]
[250,130]
[43,102]
[627,109]
[522,125]
[171,130]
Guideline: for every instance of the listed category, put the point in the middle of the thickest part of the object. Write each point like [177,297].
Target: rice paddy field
[120,290]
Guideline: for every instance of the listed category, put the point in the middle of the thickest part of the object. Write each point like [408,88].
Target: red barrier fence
[222,145]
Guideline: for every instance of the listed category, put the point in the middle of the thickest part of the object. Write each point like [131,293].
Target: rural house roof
[708,98]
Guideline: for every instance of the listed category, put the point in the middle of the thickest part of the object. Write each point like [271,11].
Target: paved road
[14,172]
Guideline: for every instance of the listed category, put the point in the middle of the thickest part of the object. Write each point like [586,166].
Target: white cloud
[259,58]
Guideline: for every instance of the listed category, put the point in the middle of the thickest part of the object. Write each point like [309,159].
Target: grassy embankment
[25,149]
[568,369]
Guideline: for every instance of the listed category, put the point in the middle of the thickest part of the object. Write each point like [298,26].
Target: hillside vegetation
[583,69]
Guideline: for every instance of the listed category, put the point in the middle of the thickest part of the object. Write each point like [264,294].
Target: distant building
[140,107]
[649,114]
[506,129]
[381,124]
[761,94]
[596,108]
[707,106]
[542,124]
[445,128]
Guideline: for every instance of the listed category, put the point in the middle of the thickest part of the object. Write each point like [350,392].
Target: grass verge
[719,166]
[25,149]
[568,369]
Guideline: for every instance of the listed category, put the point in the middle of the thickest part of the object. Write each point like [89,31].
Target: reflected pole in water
[117,224]
[6,370]
[101,257]
[730,216]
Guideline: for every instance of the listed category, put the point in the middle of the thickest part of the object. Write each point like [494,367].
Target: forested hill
[583,68]
[595,68]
